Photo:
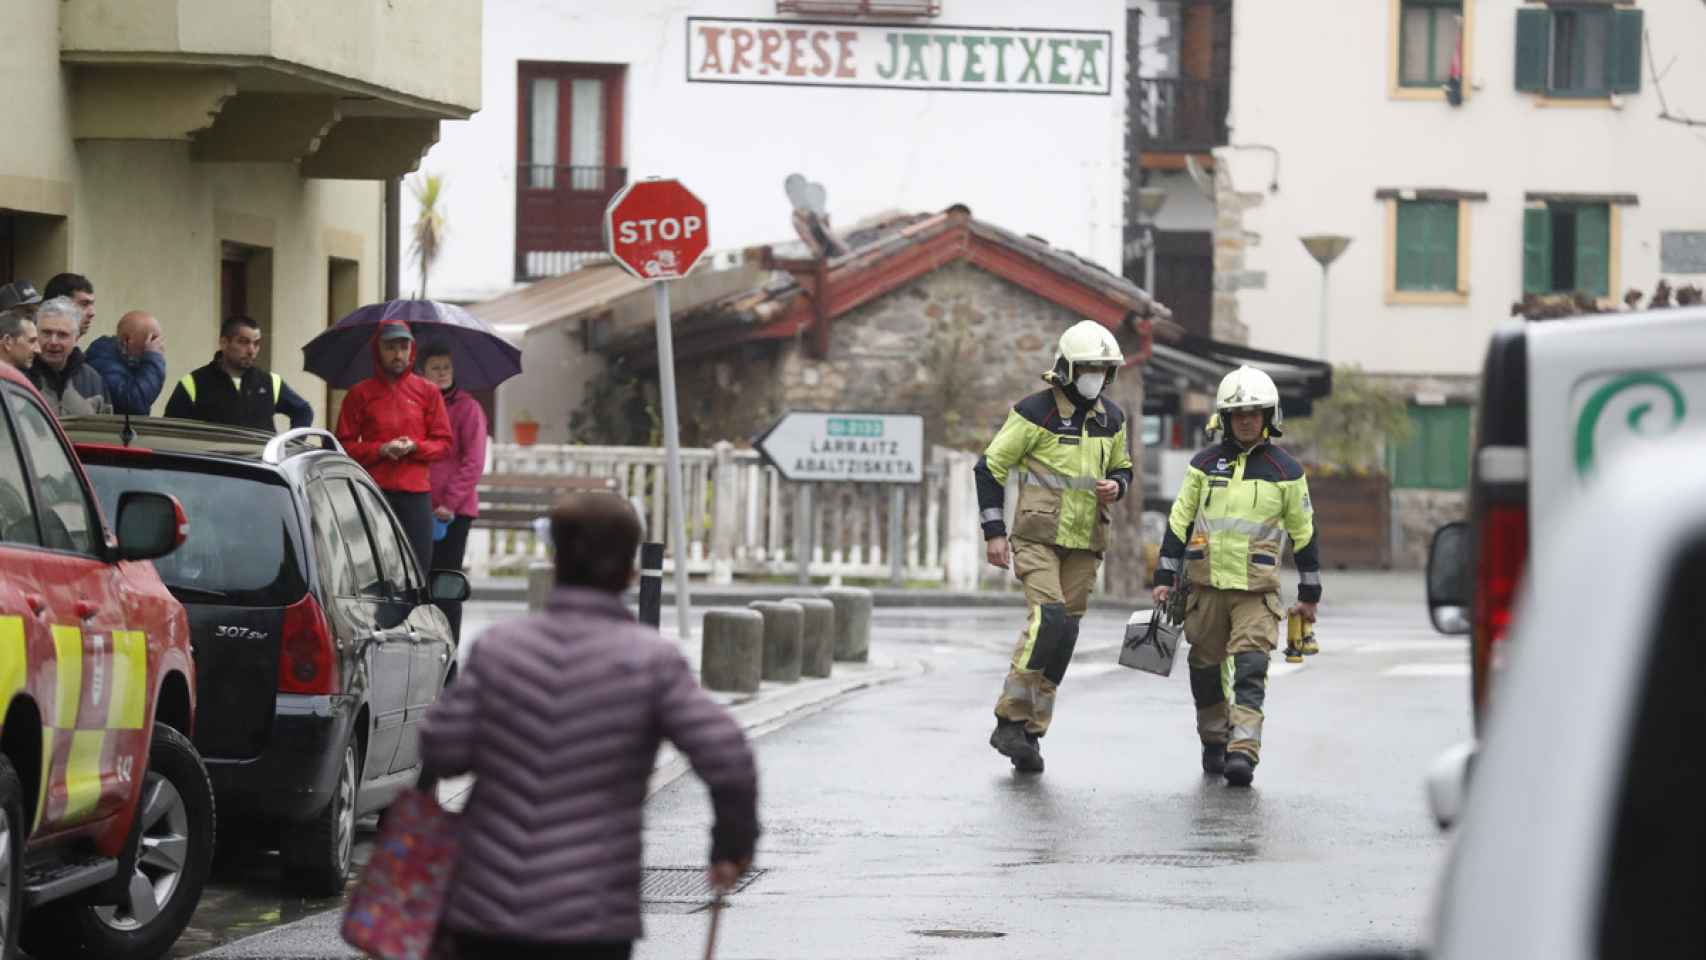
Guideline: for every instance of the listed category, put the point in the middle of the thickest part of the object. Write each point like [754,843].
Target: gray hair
[60,306]
[12,322]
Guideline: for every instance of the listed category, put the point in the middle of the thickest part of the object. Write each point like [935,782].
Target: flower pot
[526,432]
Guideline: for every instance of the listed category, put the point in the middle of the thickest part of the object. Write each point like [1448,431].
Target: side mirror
[448,586]
[150,525]
[1448,579]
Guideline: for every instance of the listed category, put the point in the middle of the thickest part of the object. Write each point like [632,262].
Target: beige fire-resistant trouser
[1245,627]
[1057,584]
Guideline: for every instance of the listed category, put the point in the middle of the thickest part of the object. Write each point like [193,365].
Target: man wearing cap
[232,390]
[395,424]
[18,293]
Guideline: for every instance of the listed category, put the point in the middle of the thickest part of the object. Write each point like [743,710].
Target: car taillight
[1503,549]
[307,658]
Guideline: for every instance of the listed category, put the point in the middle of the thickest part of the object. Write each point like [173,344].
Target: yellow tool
[1307,643]
[1294,627]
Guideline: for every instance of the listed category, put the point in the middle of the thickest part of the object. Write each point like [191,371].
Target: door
[379,636]
[404,594]
[1184,278]
[85,619]
[25,637]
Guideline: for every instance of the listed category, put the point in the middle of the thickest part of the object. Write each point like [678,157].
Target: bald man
[133,363]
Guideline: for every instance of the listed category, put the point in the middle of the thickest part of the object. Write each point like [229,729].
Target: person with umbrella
[395,424]
[455,479]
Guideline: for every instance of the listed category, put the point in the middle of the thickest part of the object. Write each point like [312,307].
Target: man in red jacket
[394,424]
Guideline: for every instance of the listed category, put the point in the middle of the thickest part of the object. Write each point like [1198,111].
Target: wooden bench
[513,501]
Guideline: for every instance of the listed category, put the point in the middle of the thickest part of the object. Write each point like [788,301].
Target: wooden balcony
[1181,115]
[559,216]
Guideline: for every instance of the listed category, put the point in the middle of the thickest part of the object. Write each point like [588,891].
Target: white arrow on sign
[846,447]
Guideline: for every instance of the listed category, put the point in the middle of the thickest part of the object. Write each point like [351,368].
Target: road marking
[1412,646]
[1428,670]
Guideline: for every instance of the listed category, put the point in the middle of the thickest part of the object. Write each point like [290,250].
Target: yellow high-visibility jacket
[1228,525]
[1061,452]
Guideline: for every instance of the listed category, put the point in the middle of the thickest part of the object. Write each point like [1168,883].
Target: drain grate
[961,934]
[683,889]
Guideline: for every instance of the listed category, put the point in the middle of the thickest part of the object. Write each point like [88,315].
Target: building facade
[1012,108]
[202,160]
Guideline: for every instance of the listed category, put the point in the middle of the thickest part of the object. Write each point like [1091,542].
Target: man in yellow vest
[1069,446]
[1240,499]
[232,390]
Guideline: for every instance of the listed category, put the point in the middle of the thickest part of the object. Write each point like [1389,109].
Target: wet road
[894,831]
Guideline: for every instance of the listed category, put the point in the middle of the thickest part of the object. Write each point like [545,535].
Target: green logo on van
[1595,408]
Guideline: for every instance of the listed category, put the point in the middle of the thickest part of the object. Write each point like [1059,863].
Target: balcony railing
[559,216]
[1184,115]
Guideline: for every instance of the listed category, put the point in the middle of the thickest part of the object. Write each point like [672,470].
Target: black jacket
[77,389]
[207,393]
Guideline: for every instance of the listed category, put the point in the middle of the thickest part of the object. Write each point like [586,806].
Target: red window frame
[614,76]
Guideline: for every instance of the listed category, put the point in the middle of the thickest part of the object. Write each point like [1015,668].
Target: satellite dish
[798,191]
[817,199]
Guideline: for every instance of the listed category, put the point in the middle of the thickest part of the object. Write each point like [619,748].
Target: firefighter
[1068,445]
[1240,499]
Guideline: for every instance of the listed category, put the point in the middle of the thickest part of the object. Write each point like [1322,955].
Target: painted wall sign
[886,56]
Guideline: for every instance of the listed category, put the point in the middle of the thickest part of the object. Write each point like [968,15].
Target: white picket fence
[742,517]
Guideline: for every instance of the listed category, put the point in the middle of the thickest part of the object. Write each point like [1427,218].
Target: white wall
[1036,163]
[1310,78]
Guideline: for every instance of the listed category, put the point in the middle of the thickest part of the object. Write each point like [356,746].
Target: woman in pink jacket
[455,499]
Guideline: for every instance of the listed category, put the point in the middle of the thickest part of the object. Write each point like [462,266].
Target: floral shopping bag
[394,911]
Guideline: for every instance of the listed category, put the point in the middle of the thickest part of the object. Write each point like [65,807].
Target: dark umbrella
[342,356]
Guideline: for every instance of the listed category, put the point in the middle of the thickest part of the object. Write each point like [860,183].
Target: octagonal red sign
[656,229]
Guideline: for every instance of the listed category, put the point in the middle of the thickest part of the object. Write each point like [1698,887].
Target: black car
[317,645]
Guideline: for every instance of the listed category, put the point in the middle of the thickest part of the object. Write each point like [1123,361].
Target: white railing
[742,517]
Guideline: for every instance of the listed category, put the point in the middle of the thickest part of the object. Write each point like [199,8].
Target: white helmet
[1247,388]
[1084,342]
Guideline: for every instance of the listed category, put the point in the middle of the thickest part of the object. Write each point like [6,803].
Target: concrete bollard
[852,623]
[783,623]
[731,650]
[817,643]
[541,580]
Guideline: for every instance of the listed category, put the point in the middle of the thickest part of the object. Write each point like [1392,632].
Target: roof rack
[275,449]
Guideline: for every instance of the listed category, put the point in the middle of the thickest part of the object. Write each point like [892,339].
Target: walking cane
[716,913]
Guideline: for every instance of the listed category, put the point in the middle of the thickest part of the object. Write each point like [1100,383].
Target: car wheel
[12,829]
[317,858]
[168,862]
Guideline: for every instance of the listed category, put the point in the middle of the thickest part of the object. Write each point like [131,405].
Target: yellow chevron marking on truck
[83,773]
[128,706]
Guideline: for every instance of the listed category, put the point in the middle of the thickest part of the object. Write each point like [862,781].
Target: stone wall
[1416,515]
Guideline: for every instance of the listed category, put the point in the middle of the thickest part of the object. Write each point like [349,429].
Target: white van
[1559,400]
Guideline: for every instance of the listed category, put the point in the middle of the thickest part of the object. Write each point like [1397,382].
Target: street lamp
[1325,248]
[1150,200]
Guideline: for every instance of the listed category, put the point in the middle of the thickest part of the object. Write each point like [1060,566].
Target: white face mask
[1089,383]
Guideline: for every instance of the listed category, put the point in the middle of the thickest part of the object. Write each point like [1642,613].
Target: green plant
[430,228]
[1350,429]
[616,411]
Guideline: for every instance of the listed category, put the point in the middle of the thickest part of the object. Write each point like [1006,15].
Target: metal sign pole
[672,457]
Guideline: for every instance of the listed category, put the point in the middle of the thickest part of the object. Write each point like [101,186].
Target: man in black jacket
[232,390]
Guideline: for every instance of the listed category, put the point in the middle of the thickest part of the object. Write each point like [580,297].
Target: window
[1435,456]
[1427,245]
[388,543]
[66,514]
[1428,41]
[354,532]
[328,541]
[17,517]
[1579,50]
[570,124]
[1566,247]
[261,568]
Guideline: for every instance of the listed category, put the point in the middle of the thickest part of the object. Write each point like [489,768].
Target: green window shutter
[1537,250]
[1435,456]
[1410,458]
[1628,35]
[1442,256]
[1533,48]
[1411,224]
[1593,249]
[1427,245]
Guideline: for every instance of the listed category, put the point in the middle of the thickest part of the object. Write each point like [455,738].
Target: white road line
[1428,670]
[1412,646]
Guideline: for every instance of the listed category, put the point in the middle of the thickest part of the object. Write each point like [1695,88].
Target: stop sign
[656,229]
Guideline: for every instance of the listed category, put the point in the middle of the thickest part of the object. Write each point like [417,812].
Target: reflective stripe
[1309,578]
[68,673]
[188,383]
[83,773]
[277,388]
[14,662]
[1250,528]
[129,705]
[1171,563]
[992,515]
[1055,481]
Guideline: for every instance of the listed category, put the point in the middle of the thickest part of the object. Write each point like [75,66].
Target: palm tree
[429,230]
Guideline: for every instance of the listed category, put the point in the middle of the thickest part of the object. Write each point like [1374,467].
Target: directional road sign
[846,447]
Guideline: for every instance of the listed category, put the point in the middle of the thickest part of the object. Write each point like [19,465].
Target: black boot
[1213,758]
[1240,769]
[1011,740]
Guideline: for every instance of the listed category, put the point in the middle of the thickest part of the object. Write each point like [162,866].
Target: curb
[515,591]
